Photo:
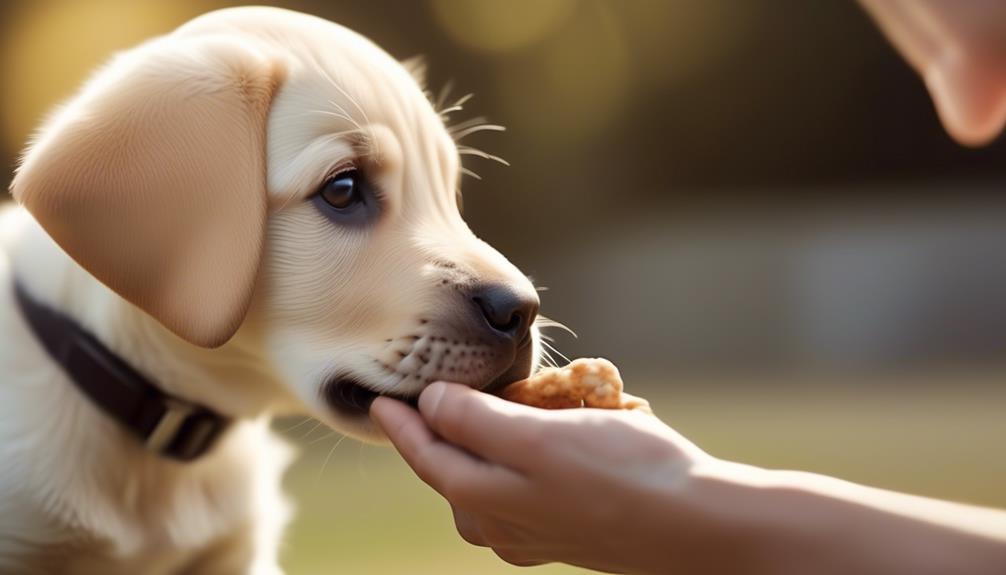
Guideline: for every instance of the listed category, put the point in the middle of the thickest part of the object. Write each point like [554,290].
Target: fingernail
[431,396]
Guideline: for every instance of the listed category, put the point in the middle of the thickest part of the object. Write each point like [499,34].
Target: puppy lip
[348,396]
[519,369]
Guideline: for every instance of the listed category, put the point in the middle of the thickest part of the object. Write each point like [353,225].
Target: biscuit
[585,382]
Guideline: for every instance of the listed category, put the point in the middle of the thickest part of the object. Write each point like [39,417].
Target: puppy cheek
[302,362]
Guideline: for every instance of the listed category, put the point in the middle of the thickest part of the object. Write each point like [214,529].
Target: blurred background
[750,207]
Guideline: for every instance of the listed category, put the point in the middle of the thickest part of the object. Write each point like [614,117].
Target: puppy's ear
[153,179]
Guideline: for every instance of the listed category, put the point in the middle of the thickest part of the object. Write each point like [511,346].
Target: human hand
[596,488]
[959,49]
[619,491]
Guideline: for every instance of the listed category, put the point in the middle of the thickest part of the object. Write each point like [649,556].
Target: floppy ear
[153,179]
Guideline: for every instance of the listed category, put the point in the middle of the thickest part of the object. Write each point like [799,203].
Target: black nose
[507,312]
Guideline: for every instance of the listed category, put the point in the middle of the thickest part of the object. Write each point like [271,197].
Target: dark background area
[710,185]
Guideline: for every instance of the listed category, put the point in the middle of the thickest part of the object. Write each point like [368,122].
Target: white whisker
[458,135]
[324,465]
[310,431]
[353,102]
[372,145]
[468,172]
[559,353]
[545,322]
[329,113]
[470,151]
[547,358]
[467,123]
[366,120]
[464,99]
[443,95]
[299,424]
[344,114]
[322,438]
[457,106]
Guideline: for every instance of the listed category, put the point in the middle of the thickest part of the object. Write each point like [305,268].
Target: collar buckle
[183,431]
[171,421]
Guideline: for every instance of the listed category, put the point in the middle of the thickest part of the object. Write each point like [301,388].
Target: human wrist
[771,521]
[801,522]
[733,502]
[708,518]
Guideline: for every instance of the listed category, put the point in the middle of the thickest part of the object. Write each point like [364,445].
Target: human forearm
[792,522]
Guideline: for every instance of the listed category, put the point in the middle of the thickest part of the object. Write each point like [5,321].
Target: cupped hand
[588,487]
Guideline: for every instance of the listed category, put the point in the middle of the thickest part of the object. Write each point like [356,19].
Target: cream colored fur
[220,281]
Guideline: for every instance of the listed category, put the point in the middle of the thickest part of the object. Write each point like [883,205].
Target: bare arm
[622,492]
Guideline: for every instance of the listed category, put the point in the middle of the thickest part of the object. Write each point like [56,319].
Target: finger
[468,527]
[500,533]
[452,472]
[430,458]
[517,557]
[493,428]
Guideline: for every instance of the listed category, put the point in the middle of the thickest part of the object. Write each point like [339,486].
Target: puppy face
[264,167]
[372,282]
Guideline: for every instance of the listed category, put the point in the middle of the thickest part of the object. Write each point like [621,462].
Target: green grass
[364,512]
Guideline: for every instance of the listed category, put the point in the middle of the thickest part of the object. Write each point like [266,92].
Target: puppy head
[259,163]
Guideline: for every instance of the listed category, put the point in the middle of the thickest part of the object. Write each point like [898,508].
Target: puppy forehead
[358,72]
[338,83]
[273,25]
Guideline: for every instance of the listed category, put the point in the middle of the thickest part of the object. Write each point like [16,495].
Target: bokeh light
[49,46]
[574,85]
[500,26]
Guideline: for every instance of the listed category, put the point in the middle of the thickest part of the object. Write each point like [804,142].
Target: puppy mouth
[347,396]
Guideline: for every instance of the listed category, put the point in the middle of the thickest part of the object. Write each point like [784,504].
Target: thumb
[488,426]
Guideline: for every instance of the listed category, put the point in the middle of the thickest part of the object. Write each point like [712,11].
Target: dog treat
[585,382]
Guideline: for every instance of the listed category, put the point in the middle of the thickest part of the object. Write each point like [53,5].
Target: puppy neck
[234,380]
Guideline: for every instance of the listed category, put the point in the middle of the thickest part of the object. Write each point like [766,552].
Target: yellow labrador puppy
[254,215]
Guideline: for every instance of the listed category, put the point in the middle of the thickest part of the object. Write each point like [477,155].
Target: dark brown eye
[342,191]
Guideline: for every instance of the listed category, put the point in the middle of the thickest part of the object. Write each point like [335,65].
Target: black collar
[166,425]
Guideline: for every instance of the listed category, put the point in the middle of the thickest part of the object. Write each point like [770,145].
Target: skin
[621,492]
[958,48]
